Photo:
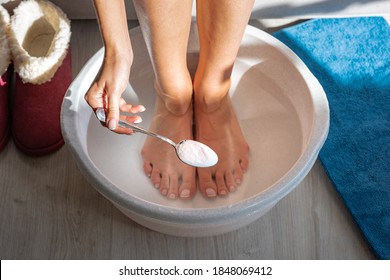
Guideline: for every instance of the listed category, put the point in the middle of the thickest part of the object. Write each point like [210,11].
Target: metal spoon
[190,152]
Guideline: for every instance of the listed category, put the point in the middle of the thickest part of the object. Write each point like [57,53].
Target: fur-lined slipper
[39,40]
[5,54]
[5,60]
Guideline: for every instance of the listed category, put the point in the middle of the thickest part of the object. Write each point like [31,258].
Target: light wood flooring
[49,211]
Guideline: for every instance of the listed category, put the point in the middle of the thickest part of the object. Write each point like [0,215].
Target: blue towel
[351,59]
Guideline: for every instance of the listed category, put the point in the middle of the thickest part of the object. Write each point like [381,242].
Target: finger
[130,119]
[137,109]
[129,108]
[112,114]
[123,130]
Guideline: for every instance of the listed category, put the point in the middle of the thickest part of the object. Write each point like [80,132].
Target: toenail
[232,188]
[156,186]
[185,194]
[223,192]
[210,192]
[172,196]
[164,192]
[238,181]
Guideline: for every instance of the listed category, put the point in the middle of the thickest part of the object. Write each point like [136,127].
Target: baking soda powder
[196,154]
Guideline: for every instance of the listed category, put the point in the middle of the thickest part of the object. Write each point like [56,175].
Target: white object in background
[270,9]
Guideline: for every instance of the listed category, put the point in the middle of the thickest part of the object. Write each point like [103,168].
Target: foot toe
[173,189]
[208,188]
[155,177]
[148,168]
[187,188]
[230,181]
[238,174]
[164,185]
[221,184]
[244,164]
[207,185]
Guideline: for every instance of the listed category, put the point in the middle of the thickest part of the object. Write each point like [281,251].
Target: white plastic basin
[283,111]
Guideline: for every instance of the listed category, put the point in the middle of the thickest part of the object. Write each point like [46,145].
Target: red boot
[36,128]
[43,63]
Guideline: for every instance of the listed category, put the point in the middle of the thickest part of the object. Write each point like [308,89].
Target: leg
[221,25]
[165,25]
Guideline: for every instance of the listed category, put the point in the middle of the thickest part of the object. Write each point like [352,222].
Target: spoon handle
[144,131]
[102,117]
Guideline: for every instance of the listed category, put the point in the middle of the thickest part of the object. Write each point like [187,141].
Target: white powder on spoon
[196,154]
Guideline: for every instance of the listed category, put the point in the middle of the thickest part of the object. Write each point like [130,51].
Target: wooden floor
[49,211]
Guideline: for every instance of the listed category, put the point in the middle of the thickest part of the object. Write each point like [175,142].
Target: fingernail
[185,194]
[142,108]
[138,120]
[210,192]
[112,124]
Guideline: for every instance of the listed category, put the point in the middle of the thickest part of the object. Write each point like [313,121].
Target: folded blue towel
[351,59]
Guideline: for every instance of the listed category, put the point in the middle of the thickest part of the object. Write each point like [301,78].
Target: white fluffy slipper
[5,54]
[39,40]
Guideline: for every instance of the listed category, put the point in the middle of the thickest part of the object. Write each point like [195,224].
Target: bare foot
[220,130]
[168,174]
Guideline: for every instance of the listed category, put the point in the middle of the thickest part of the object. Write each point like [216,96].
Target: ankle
[208,105]
[177,107]
[208,97]
[209,94]
[177,100]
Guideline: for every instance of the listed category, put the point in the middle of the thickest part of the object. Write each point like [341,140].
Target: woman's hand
[106,92]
